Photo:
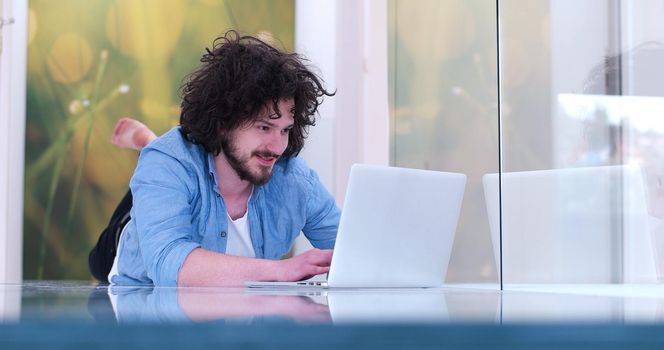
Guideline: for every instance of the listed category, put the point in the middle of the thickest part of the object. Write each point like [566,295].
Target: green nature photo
[91,63]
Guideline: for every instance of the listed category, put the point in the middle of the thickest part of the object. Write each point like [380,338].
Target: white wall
[642,27]
[13,60]
[641,22]
[347,41]
[315,39]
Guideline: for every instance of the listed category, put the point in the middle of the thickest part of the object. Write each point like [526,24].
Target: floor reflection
[248,306]
[460,304]
[149,304]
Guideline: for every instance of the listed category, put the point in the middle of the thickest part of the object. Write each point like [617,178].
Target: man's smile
[266,158]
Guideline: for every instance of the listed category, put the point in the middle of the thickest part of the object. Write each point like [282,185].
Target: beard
[240,163]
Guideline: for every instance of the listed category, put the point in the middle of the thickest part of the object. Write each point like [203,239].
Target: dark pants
[102,255]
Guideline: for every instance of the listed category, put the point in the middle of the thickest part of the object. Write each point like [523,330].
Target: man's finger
[321,257]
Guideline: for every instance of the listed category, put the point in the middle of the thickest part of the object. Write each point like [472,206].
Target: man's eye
[263,128]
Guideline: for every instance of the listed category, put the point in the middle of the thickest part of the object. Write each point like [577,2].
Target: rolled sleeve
[162,211]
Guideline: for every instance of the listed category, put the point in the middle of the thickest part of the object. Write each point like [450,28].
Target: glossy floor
[52,301]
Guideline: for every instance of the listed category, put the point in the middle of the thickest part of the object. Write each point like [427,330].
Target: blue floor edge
[279,336]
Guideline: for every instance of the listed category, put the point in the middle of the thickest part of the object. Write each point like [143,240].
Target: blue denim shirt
[177,208]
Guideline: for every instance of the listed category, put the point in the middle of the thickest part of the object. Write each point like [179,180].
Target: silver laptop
[396,229]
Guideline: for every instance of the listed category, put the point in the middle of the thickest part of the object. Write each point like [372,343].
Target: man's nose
[278,143]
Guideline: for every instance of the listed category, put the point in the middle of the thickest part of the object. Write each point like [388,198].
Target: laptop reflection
[148,304]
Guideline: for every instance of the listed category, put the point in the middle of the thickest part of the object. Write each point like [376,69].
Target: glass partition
[582,137]
[444,115]
[574,192]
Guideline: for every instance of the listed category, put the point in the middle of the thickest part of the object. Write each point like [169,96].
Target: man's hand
[306,265]
[207,268]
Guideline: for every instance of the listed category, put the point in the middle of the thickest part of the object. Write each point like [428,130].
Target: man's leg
[102,255]
[132,134]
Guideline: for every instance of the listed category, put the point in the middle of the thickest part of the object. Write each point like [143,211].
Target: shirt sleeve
[322,215]
[162,210]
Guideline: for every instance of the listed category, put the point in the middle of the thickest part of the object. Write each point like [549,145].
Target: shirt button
[222,234]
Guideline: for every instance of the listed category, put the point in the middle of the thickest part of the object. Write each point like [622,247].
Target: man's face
[253,149]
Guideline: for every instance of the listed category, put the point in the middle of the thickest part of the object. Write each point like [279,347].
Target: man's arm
[207,268]
[323,216]
[163,219]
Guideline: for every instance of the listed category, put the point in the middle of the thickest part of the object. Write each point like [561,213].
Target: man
[220,199]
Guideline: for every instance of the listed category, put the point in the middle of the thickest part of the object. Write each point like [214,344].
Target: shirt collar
[212,169]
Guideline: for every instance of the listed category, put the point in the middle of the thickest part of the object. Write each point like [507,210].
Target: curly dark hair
[237,79]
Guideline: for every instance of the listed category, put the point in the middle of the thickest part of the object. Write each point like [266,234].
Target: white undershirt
[239,238]
[239,235]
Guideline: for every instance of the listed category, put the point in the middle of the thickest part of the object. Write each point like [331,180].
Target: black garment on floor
[100,260]
[100,306]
